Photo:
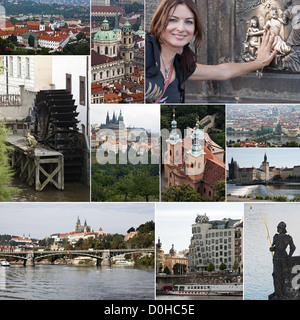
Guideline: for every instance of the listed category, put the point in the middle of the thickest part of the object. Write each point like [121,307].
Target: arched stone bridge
[103,256]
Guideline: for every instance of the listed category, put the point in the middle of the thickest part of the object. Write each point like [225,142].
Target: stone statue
[202,218]
[281,241]
[284,22]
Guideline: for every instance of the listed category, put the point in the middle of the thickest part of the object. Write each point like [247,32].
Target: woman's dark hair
[160,21]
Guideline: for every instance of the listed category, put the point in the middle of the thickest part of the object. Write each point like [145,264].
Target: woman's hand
[264,51]
[227,71]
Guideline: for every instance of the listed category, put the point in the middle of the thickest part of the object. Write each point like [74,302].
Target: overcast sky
[278,157]
[174,221]
[138,115]
[42,219]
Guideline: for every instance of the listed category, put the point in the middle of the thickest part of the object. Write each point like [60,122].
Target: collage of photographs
[149,150]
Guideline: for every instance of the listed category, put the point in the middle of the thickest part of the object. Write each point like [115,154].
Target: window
[82,90]
[69,82]
[11,66]
[19,67]
[28,68]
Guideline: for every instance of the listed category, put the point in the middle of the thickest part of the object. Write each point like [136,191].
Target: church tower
[265,168]
[173,155]
[127,48]
[42,25]
[194,163]
[174,144]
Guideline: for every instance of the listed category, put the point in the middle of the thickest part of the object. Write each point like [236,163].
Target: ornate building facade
[195,160]
[167,261]
[112,60]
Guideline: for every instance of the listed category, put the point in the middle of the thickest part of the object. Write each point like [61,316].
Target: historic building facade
[112,60]
[194,160]
[167,261]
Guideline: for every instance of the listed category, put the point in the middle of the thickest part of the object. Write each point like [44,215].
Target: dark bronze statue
[281,241]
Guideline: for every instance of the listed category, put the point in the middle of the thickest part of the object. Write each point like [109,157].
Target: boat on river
[124,263]
[226,289]
[5,263]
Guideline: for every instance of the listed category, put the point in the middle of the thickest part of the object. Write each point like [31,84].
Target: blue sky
[42,219]
[279,157]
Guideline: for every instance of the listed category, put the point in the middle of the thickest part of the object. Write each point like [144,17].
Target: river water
[55,282]
[289,190]
[258,265]
[72,192]
[272,140]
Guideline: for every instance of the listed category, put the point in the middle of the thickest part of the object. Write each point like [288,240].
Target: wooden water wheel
[56,127]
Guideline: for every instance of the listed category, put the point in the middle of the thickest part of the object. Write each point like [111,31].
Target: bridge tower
[29,259]
[106,258]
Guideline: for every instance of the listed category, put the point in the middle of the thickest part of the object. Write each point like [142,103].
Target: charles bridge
[103,256]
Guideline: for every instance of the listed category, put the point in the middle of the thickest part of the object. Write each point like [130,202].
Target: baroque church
[195,160]
[113,53]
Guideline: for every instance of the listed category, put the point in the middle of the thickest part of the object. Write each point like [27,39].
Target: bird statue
[30,143]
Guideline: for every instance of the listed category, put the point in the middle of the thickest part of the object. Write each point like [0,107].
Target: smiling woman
[170,61]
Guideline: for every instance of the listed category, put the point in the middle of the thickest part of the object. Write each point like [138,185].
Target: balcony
[10,99]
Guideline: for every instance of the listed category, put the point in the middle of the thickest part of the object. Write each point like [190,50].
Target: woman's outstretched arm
[227,71]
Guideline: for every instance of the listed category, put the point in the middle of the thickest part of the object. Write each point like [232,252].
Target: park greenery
[124,182]
[185,193]
[6,173]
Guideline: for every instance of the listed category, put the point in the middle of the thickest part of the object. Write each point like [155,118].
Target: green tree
[145,185]
[31,41]
[222,266]
[181,193]
[235,266]
[211,267]
[166,270]
[219,191]
[6,174]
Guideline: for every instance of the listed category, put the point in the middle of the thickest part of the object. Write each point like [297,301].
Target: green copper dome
[127,26]
[105,35]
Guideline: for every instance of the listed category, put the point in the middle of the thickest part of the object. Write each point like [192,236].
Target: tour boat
[124,263]
[5,263]
[235,289]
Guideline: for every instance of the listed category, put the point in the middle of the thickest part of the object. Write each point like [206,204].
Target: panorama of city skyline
[174,223]
[40,220]
[253,157]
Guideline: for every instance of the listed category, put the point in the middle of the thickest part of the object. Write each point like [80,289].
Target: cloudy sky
[138,115]
[174,221]
[42,219]
[278,157]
